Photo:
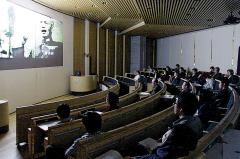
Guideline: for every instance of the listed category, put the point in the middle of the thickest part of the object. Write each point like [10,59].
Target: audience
[184,133]
[92,122]
[112,100]
[209,83]
[223,95]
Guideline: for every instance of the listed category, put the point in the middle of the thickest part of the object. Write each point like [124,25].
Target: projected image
[26,35]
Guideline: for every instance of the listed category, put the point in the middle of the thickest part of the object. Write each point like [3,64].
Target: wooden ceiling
[162,17]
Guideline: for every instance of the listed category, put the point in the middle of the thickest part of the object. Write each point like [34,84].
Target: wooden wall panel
[78,57]
[102,53]
[93,47]
[120,55]
[128,54]
[149,52]
[111,54]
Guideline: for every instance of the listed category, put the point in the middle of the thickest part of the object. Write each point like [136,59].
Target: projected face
[46,30]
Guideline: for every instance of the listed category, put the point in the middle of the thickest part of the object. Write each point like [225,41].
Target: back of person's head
[187,102]
[177,65]
[212,68]
[92,121]
[195,70]
[224,83]
[112,100]
[63,111]
[230,71]
[138,72]
[217,69]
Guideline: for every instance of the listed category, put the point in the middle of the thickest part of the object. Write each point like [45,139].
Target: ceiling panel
[162,17]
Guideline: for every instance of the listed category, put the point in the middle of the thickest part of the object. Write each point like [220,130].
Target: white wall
[28,86]
[220,43]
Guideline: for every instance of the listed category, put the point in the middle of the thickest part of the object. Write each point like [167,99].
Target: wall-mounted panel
[119,55]
[93,47]
[111,53]
[102,53]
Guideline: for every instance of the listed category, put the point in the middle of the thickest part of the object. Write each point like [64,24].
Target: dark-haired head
[92,121]
[230,71]
[63,111]
[185,104]
[113,100]
[217,69]
[212,68]
[224,83]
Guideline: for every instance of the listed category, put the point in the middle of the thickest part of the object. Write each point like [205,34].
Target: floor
[8,148]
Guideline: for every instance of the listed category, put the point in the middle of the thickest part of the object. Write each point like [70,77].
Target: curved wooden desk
[83,83]
[4,120]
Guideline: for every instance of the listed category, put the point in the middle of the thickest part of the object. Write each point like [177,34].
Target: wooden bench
[34,134]
[25,113]
[126,136]
[65,134]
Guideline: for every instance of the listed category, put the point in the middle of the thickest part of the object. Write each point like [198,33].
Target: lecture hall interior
[119,79]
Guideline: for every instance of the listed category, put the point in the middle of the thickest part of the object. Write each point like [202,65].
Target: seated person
[186,87]
[211,72]
[176,79]
[209,83]
[182,72]
[92,122]
[184,133]
[63,112]
[155,89]
[156,86]
[223,95]
[233,79]
[112,100]
[141,79]
[217,75]
[195,75]
[169,71]
[177,68]
[206,107]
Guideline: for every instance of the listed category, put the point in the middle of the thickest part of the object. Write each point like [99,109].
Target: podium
[4,119]
[83,84]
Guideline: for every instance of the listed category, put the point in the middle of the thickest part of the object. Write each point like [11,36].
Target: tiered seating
[65,134]
[228,120]
[25,113]
[35,135]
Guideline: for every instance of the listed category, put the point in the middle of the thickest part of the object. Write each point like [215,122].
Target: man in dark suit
[184,133]
[217,75]
[233,79]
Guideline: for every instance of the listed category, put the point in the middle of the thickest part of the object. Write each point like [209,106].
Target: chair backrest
[116,118]
[128,135]
[25,113]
